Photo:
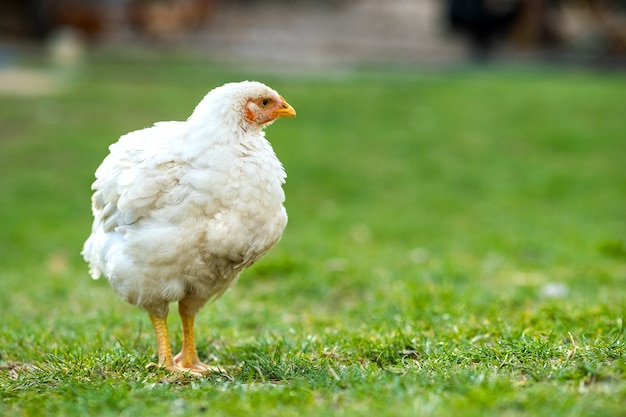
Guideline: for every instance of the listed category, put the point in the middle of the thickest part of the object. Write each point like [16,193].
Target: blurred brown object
[610,18]
[548,23]
[596,28]
[87,18]
[94,19]
[161,19]
[39,19]
[537,26]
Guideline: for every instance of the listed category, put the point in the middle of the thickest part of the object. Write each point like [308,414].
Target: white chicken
[181,208]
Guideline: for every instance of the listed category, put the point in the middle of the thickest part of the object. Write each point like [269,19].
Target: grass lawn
[456,247]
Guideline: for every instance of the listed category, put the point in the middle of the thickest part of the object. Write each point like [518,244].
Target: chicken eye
[265,102]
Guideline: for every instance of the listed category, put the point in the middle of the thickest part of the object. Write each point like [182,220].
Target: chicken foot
[187,360]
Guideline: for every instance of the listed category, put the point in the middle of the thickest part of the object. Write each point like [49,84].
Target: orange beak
[285,109]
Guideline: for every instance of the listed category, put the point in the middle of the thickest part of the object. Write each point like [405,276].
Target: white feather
[183,207]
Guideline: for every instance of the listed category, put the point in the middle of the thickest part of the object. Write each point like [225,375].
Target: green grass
[431,214]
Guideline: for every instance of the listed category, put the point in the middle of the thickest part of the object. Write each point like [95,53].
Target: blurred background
[316,34]
[454,163]
[101,68]
[468,110]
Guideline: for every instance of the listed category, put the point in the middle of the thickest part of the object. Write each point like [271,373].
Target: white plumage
[181,208]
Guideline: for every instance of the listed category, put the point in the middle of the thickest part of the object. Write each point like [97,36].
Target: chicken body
[181,208]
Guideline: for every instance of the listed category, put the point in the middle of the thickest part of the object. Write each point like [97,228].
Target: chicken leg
[187,360]
[188,356]
[163,343]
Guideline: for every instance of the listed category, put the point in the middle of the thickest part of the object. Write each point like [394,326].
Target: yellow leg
[188,356]
[165,352]
[163,342]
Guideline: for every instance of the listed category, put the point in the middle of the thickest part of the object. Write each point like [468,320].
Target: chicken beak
[285,109]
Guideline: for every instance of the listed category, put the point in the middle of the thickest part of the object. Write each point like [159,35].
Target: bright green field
[456,247]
